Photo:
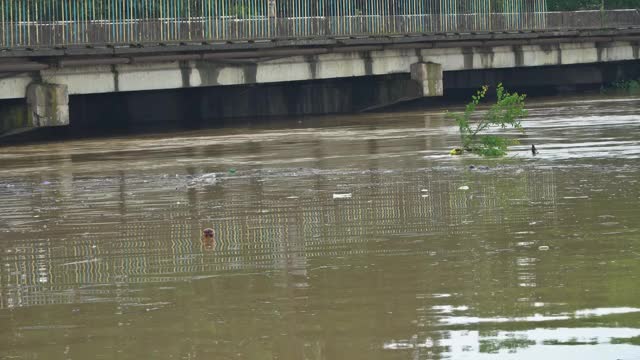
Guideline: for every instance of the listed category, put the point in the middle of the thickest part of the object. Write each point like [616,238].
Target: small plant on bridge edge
[506,112]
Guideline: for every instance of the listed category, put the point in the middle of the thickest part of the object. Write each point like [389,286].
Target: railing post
[273,10]
[272,14]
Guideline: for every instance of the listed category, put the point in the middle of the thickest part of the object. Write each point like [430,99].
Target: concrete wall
[191,108]
[551,78]
[14,116]
[347,64]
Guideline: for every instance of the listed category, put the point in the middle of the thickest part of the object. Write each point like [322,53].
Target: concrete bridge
[49,78]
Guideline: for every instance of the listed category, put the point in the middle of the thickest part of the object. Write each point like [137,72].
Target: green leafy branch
[506,112]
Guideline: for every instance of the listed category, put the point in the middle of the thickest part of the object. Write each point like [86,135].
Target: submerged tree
[506,112]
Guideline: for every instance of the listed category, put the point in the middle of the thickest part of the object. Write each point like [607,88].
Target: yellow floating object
[456,151]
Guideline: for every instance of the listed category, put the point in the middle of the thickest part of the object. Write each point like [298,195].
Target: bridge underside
[294,79]
[191,108]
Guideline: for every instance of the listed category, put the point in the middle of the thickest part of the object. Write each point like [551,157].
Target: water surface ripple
[344,237]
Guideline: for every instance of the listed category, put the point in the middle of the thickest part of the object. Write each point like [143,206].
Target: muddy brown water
[345,237]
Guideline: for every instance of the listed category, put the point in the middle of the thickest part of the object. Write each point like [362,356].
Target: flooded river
[344,237]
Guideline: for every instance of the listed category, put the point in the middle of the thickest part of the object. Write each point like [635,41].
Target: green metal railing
[49,23]
[67,22]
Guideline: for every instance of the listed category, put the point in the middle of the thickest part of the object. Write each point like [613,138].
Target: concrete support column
[429,76]
[46,105]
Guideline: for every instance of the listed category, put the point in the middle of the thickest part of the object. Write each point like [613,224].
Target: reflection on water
[557,343]
[534,318]
[102,252]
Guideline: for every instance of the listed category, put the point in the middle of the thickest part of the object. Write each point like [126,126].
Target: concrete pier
[46,105]
[429,77]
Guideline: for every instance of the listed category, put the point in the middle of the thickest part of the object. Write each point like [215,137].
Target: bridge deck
[34,59]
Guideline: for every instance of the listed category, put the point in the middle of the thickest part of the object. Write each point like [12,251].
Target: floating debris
[342,196]
[543,248]
[80,262]
[464,187]
[480,167]
[205,179]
